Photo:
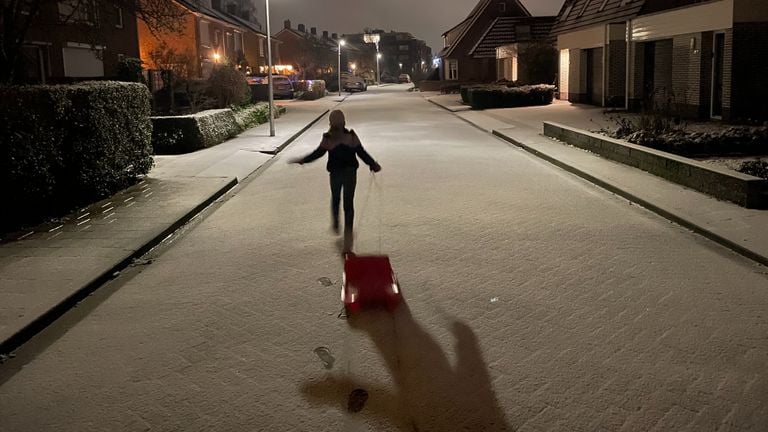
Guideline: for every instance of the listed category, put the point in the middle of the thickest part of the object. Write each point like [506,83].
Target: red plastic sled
[369,281]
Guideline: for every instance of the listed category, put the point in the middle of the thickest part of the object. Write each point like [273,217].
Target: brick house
[468,53]
[312,55]
[58,50]
[209,36]
[698,58]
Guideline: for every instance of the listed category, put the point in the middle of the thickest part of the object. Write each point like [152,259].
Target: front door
[717,75]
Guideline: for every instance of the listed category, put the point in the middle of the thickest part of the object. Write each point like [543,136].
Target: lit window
[453,69]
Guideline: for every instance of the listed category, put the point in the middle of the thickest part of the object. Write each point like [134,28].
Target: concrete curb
[44,320]
[446,108]
[293,137]
[618,190]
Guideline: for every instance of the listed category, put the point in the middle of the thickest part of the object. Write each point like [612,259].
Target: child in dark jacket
[343,147]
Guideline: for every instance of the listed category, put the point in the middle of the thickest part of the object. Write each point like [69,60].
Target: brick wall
[750,71]
[597,76]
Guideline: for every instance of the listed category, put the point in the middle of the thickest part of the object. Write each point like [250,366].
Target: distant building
[56,48]
[400,53]
[705,59]
[469,48]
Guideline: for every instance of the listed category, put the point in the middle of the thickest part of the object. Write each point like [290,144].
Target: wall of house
[750,60]
[182,43]
[745,11]
[49,42]
[483,70]
[693,19]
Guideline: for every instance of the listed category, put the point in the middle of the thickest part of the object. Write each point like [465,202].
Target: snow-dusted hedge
[66,145]
[188,133]
[501,96]
[183,134]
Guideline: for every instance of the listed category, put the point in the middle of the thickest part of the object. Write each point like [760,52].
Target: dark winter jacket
[343,150]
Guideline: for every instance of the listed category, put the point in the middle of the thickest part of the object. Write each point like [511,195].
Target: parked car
[404,78]
[282,86]
[354,83]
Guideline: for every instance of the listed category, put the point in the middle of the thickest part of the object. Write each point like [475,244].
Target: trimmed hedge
[67,145]
[495,96]
[183,134]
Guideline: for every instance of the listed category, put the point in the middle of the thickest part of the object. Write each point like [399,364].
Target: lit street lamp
[374,39]
[269,63]
[341,44]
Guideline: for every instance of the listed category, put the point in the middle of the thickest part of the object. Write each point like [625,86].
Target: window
[453,69]
[403,47]
[261,47]
[502,7]
[238,42]
[602,6]
[80,11]
[118,17]
[82,61]
[205,34]
[216,38]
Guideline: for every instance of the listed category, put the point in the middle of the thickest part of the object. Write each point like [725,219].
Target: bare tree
[17,17]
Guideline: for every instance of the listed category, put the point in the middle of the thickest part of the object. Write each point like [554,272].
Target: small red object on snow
[369,281]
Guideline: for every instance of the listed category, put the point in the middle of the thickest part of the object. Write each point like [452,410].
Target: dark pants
[345,179]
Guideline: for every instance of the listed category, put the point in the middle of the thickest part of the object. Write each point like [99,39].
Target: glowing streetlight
[216,57]
[374,39]
[341,44]
[269,63]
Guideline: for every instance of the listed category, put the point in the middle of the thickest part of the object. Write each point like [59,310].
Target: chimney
[302,28]
[313,30]
[325,34]
[287,24]
[334,36]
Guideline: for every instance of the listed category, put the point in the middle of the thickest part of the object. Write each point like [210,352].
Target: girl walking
[343,148]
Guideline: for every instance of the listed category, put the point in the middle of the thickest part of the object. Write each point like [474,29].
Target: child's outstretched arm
[375,167]
[315,155]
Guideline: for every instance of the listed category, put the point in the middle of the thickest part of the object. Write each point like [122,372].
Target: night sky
[425,19]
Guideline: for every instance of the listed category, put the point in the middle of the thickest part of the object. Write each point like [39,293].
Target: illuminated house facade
[697,58]
[209,36]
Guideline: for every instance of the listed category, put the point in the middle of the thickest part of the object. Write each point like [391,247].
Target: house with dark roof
[209,36]
[696,58]
[312,55]
[469,48]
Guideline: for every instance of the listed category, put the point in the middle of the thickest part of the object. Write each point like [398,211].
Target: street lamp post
[269,64]
[374,39]
[341,44]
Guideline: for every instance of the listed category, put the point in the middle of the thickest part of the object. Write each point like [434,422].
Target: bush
[252,115]
[311,89]
[129,70]
[68,145]
[229,87]
[496,96]
[183,134]
[758,168]
[671,138]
